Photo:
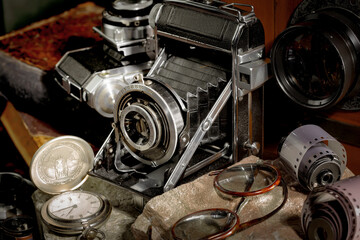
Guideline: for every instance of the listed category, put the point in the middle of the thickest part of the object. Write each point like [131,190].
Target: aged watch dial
[74,205]
[73,212]
[60,166]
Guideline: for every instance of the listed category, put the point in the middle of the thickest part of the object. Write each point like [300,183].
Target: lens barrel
[315,60]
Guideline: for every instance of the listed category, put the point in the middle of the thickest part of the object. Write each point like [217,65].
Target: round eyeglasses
[241,181]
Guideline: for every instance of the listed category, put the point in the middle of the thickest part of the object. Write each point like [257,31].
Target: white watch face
[74,205]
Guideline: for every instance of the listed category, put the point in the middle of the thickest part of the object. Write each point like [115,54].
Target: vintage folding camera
[200,106]
[95,75]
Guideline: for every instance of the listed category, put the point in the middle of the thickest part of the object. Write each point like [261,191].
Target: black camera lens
[314,65]
[315,61]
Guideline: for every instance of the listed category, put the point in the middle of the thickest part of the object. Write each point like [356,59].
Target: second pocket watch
[59,167]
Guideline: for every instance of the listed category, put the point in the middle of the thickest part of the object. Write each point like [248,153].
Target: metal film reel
[313,156]
[332,212]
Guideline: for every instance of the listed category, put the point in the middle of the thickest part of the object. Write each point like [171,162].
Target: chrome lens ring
[144,126]
[166,122]
[131,5]
[127,21]
[124,34]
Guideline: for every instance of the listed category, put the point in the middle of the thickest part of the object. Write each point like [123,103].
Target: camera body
[95,75]
[202,98]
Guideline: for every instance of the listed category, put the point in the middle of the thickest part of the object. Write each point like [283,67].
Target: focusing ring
[152,108]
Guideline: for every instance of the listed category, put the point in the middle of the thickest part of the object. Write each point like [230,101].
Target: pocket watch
[61,166]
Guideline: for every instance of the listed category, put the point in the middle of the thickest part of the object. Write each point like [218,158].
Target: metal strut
[198,136]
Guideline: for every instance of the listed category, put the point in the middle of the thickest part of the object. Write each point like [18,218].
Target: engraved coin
[61,164]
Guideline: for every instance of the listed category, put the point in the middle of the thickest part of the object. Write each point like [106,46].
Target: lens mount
[141,127]
[149,120]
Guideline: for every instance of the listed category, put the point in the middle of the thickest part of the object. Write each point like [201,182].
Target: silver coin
[61,164]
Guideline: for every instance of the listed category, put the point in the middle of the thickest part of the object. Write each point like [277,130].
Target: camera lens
[315,60]
[149,119]
[314,66]
[140,127]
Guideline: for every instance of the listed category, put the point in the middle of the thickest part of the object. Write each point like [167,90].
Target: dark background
[15,14]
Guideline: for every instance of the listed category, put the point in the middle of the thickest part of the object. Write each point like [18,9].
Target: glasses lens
[247,179]
[206,224]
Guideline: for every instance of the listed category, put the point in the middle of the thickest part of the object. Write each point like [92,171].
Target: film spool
[313,156]
[333,211]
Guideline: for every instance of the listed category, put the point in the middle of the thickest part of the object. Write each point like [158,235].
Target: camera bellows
[198,85]
[150,116]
